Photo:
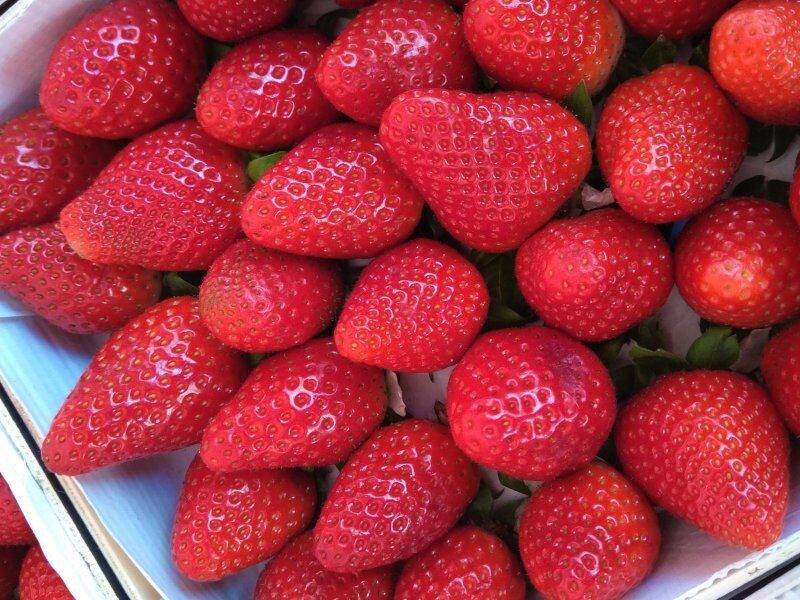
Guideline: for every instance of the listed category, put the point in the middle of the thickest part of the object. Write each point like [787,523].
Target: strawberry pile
[272,232]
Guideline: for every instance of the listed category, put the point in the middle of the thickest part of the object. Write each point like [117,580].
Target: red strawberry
[262,300]
[38,267]
[780,366]
[738,263]
[123,69]
[335,195]
[531,402]
[493,167]
[43,167]
[234,20]
[390,47]
[590,535]
[709,447]
[415,308]
[402,490]
[671,18]
[169,201]
[597,275]
[262,94]
[307,407]
[151,388]
[467,563]
[226,522]
[296,573]
[39,581]
[754,53]
[669,143]
[14,528]
[548,48]
[10,563]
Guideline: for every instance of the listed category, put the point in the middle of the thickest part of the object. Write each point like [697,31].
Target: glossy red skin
[124,69]
[38,268]
[399,492]
[169,201]
[40,581]
[415,308]
[43,167]
[262,95]
[497,410]
[261,300]
[307,407]
[671,18]
[14,528]
[590,535]
[335,195]
[738,263]
[709,447]
[754,53]
[10,562]
[466,563]
[151,388]
[494,198]
[390,47]
[547,48]
[669,143]
[597,275]
[296,573]
[235,20]
[226,522]
[780,366]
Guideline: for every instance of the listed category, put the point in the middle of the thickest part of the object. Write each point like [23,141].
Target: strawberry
[226,522]
[754,53]
[10,563]
[169,201]
[709,447]
[262,300]
[40,581]
[296,573]
[14,528]
[390,47]
[588,535]
[794,193]
[43,167]
[466,563]
[671,18]
[493,167]
[548,48]
[307,407]
[780,366]
[123,69]
[151,388]
[262,94]
[335,195]
[669,143]
[738,263]
[234,20]
[38,267]
[496,407]
[415,308]
[597,275]
[402,490]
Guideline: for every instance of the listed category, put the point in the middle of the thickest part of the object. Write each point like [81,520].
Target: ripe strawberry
[597,275]
[415,308]
[43,167]
[38,267]
[10,562]
[738,263]
[588,535]
[262,94]
[493,167]
[390,47]
[234,20]
[754,53]
[151,388]
[123,69]
[307,407]
[709,447]
[669,143]
[40,581]
[296,573]
[780,366]
[402,490]
[466,563]
[671,18]
[226,522]
[548,48]
[169,201]
[335,195]
[14,528]
[262,300]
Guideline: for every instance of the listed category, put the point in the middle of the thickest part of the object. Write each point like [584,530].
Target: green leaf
[580,103]
[657,362]
[759,187]
[760,138]
[661,52]
[176,285]
[481,505]
[515,484]
[649,334]
[260,165]
[216,50]
[624,379]
[608,352]
[699,56]
[486,83]
[717,348]
[507,513]
[503,316]
[255,358]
